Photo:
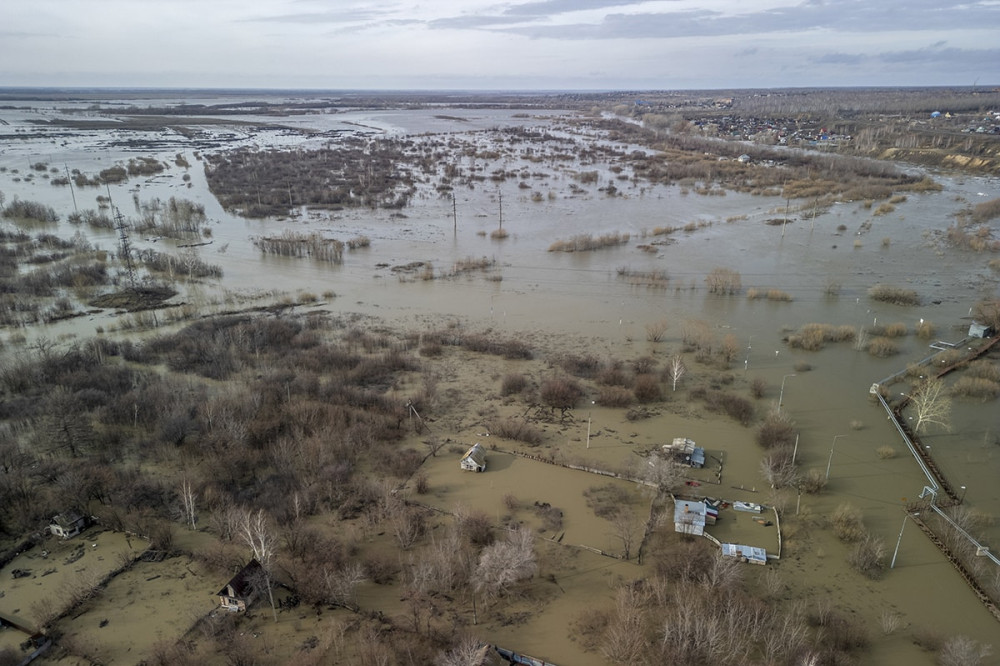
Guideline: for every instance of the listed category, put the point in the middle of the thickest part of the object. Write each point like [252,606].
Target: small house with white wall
[977,330]
[748,554]
[68,524]
[690,517]
[474,459]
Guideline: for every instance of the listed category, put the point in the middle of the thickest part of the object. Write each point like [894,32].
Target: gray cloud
[844,16]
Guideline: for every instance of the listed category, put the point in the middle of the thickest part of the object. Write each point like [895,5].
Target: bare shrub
[647,388]
[885,452]
[758,387]
[962,650]
[802,366]
[724,281]
[614,396]
[736,406]
[777,431]
[848,523]
[513,383]
[614,375]
[857,424]
[778,469]
[868,556]
[890,621]
[474,526]
[560,393]
[510,502]
[656,330]
[813,482]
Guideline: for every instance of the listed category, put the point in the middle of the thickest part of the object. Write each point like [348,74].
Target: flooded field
[574,303]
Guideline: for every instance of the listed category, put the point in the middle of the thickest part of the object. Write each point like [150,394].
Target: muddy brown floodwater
[578,303]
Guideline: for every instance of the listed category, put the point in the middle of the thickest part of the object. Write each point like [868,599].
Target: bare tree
[467,651]
[506,562]
[625,640]
[256,534]
[187,496]
[623,527]
[665,472]
[656,330]
[932,405]
[778,469]
[675,369]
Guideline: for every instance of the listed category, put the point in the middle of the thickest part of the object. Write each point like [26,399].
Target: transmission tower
[125,250]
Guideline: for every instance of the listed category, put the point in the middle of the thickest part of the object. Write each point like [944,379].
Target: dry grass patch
[976,387]
[848,523]
[882,347]
[896,295]
[588,242]
[814,336]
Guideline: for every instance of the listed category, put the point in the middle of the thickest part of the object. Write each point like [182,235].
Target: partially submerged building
[67,524]
[748,554]
[474,459]
[244,587]
[977,330]
[687,451]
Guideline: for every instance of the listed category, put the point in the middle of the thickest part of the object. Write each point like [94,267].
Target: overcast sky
[484,44]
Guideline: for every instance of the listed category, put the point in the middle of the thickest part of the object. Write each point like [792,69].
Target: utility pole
[500,197]
[454,211]
[71,190]
[124,247]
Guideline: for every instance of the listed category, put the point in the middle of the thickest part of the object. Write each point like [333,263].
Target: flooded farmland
[583,303]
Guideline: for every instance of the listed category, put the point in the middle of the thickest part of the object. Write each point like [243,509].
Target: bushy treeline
[298,407]
[272,182]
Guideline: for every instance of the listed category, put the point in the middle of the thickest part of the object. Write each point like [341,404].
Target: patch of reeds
[295,244]
[654,279]
[976,387]
[724,281]
[885,452]
[755,293]
[895,295]
[472,264]
[883,208]
[359,242]
[986,211]
[882,347]
[925,330]
[896,330]
[517,430]
[589,242]
[814,336]
[614,396]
